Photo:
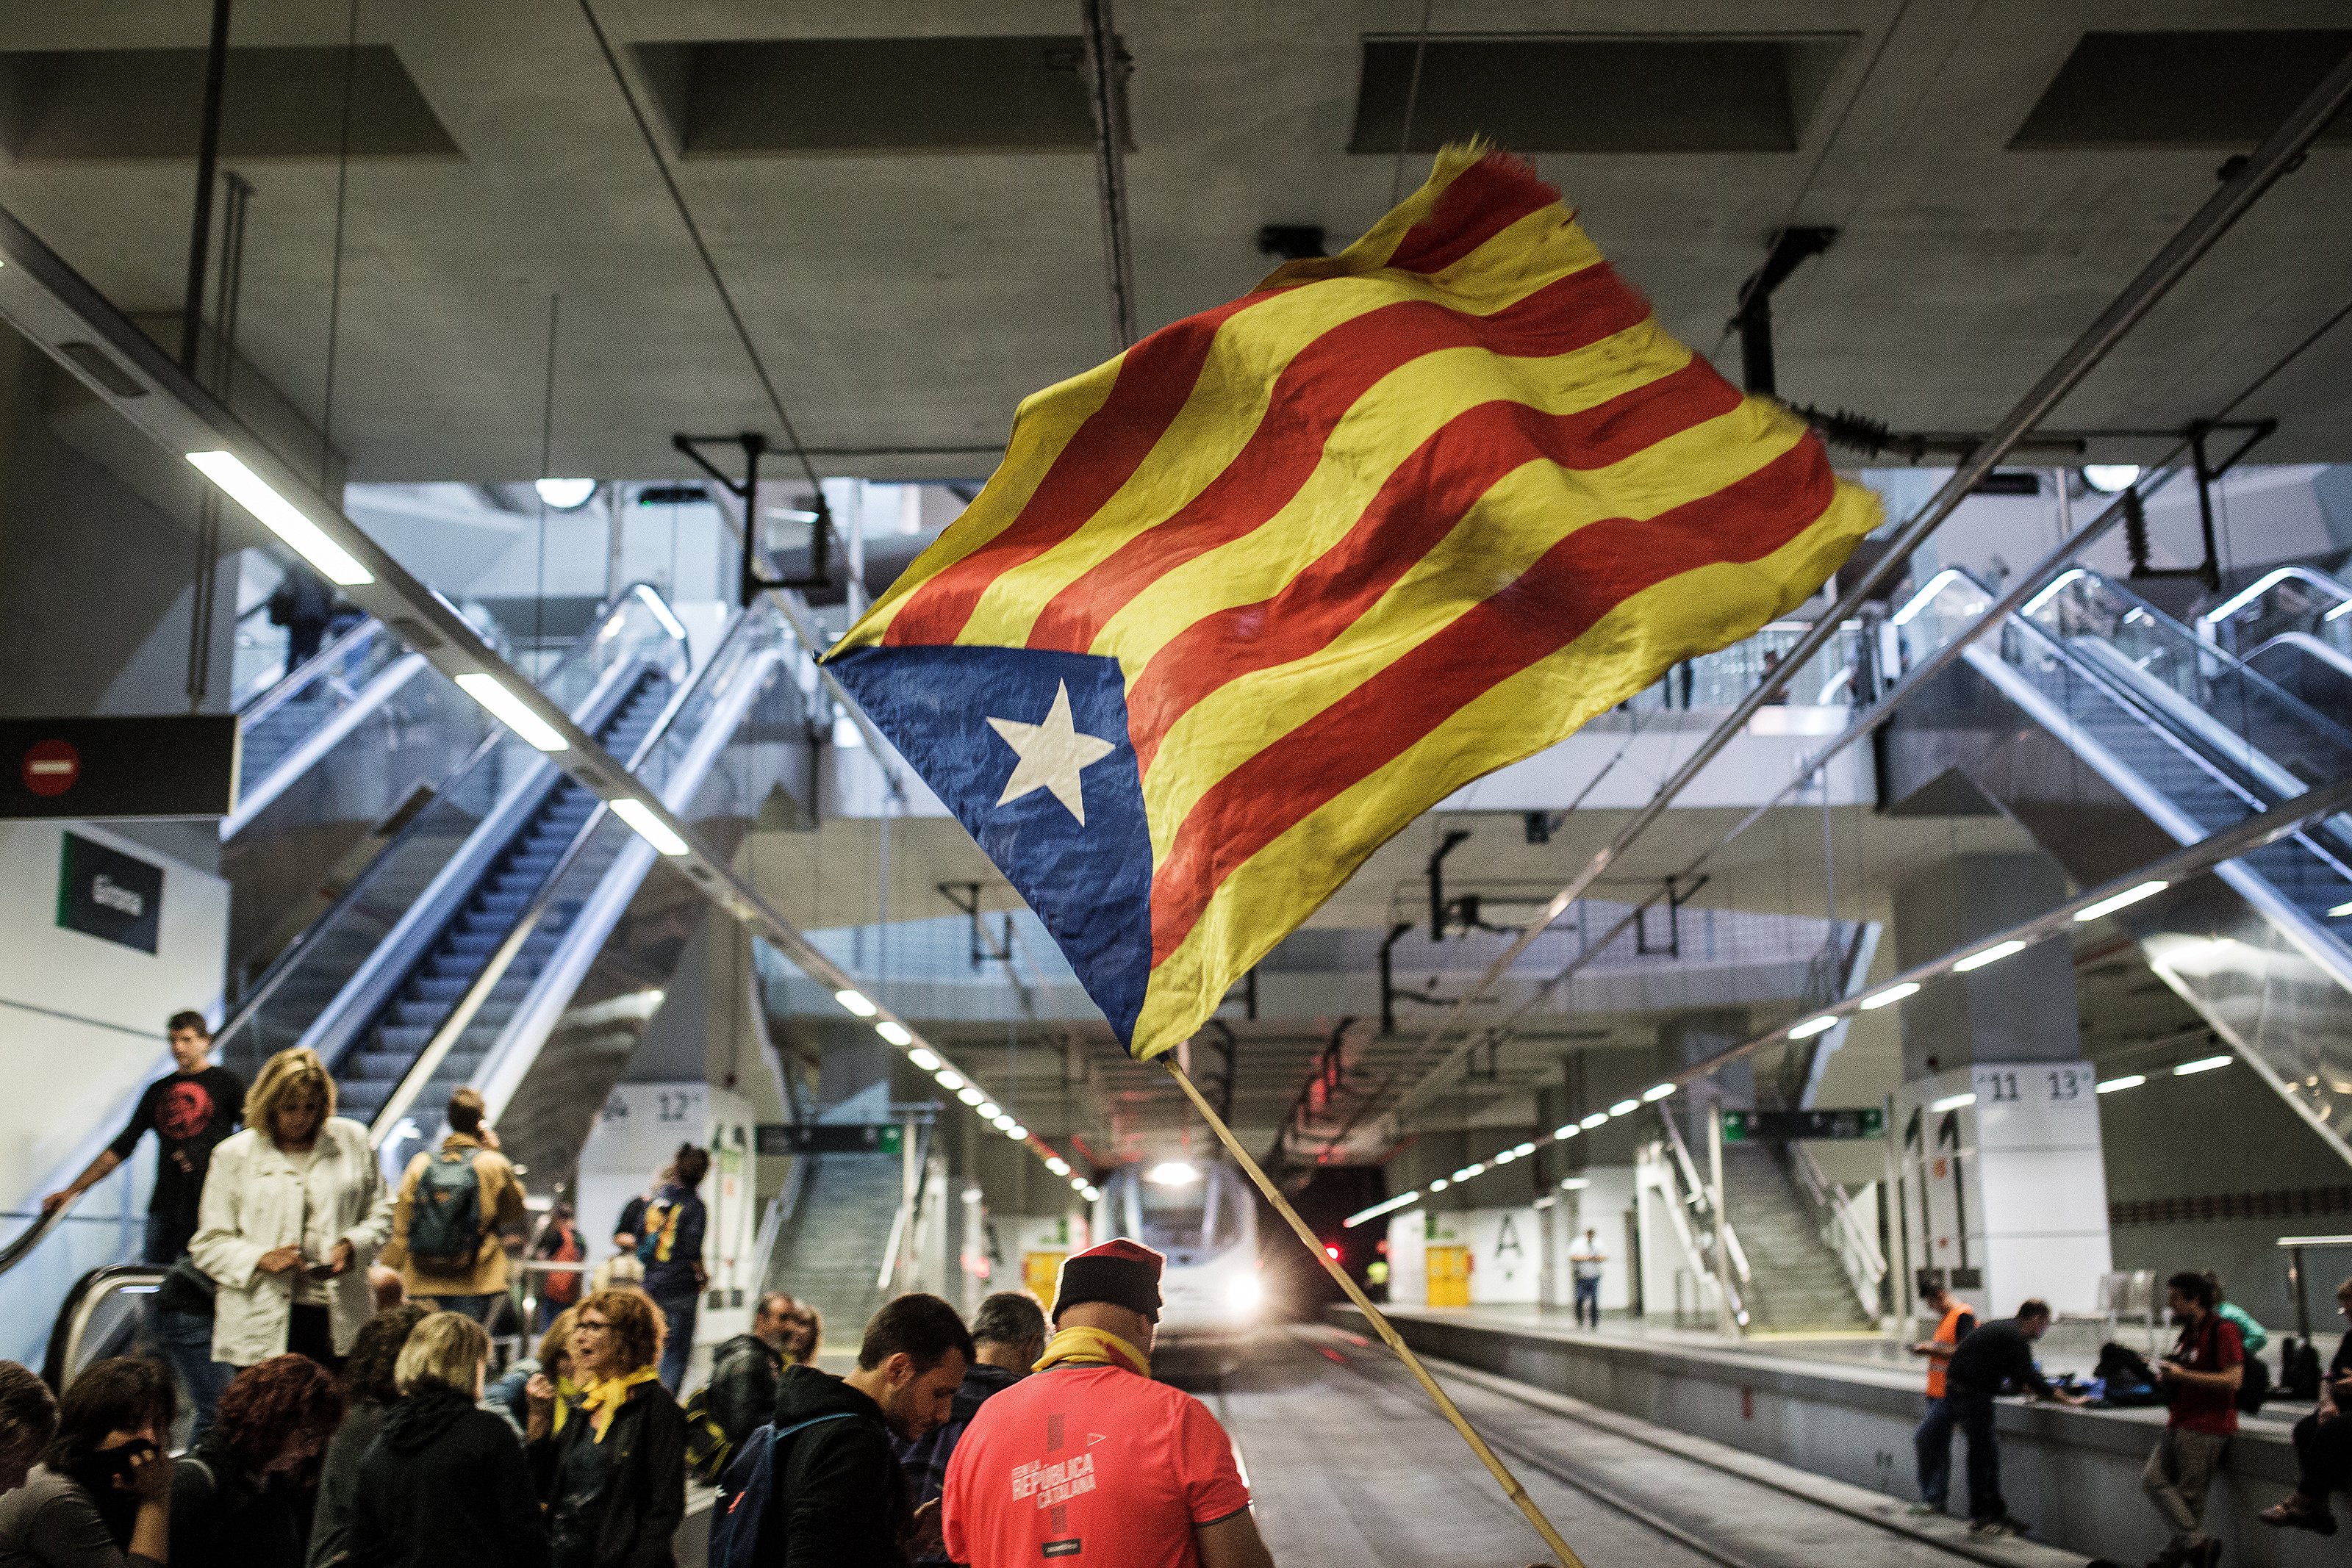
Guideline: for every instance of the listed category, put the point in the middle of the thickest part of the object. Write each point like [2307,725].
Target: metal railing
[1730,1265]
[1842,1229]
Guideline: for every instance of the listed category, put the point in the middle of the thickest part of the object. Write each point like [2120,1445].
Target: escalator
[2113,733]
[367,983]
[2294,626]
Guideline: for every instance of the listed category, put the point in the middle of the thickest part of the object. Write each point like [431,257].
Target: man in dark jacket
[1997,1356]
[838,1499]
[744,1370]
[1008,1336]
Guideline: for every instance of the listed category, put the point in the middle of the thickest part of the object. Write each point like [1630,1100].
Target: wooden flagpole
[1380,1324]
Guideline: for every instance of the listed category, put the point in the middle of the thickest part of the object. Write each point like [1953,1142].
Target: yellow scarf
[1092,1347]
[567,1394]
[602,1400]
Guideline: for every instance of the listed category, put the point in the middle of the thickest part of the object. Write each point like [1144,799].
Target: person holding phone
[295,1209]
[101,1495]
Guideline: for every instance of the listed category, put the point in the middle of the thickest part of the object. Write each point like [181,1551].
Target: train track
[1575,1476]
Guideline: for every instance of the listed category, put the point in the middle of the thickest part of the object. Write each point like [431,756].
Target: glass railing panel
[2289,599]
[305,979]
[281,718]
[1721,680]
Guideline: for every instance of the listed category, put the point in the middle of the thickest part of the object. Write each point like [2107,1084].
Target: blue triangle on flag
[1090,881]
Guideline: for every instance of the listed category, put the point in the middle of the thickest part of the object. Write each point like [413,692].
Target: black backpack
[444,1221]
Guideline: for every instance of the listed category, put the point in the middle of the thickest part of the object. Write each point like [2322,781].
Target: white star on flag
[1052,754]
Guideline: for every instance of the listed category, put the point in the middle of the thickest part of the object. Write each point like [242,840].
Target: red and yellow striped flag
[1243,602]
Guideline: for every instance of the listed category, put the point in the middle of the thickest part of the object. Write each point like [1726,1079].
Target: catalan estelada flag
[1244,602]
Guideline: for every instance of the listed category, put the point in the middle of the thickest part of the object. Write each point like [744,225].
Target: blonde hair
[285,1073]
[446,1349]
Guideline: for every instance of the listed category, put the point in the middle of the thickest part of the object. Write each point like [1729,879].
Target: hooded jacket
[444,1482]
[838,1499]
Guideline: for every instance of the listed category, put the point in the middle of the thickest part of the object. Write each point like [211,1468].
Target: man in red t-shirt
[2201,1384]
[1090,1460]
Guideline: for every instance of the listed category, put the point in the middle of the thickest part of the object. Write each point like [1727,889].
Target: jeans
[185,1342]
[677,1344]
[1932,1445]
[1974,1416]
[477,1307]
[1588,1299]
[2178,1476]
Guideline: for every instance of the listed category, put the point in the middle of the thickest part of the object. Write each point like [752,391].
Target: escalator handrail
[2306,644]
[2161,725]
[2208,625]
[313,669]
[33,1235]
[428,1061]
[2302,712]
[74,1313]
[283,965]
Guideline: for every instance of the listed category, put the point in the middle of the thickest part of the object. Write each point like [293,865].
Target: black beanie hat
[1124,1273]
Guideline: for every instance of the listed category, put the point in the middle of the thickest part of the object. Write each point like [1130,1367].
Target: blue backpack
[744,1491]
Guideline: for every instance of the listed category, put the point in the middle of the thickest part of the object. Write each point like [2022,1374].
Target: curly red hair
[635,1322]
[277,1415]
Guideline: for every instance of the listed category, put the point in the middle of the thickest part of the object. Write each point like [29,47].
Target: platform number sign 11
[2030,1087]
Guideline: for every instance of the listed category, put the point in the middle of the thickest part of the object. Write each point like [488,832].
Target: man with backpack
[822,1485]
[664,1231]
[452,1207]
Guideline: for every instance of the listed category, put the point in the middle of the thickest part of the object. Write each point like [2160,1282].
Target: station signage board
[169,764]
[1781,1126]
[829,1137]
[103,892]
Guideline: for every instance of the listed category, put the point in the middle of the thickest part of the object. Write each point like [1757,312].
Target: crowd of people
[331,1334]
[2208,1376]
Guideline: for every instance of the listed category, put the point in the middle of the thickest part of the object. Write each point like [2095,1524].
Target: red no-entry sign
[51,766]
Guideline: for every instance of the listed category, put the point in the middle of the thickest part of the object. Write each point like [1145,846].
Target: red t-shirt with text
[2212,1345]
[1091,1464]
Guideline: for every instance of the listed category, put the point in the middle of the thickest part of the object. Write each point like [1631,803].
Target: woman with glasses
[612,1468]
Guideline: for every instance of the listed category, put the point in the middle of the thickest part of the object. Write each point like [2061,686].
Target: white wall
[1506,1256]
[81,1034]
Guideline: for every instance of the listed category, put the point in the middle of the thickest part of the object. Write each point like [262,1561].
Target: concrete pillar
[2001,1181]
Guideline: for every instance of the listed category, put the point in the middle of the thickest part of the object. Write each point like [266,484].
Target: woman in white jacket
[294,1211]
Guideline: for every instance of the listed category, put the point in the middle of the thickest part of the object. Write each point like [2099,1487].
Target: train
[1202,1215]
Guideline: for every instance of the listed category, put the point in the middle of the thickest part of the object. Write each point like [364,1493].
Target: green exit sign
[1780,1126]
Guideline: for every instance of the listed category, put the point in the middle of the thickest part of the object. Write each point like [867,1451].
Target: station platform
[1843,1408]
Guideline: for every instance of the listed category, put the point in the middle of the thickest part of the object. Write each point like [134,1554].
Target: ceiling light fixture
[1568,1132]
[1596,1119]
[1439,1185]
[2129,1080]
[1058,1165]
[989,1110]
[511,710]
[564,495]
[1623,1106]
[1811,1026]
[285,519]
[971,1096]
[1993,955]
[1952,1103]
[895,1033]
[924,1059]
[856,1003]
[948,1078]
[2109,478]
[651,828]
[2123,899]
[2202,1064]
[1656,1092]
[1890,995]
[1018,1133]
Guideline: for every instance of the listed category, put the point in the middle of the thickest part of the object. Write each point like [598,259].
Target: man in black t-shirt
[190,1112]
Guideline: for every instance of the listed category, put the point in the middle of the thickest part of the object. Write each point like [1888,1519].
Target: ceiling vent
[2183,89]
[1613,94]
[1022,93]
[65,105]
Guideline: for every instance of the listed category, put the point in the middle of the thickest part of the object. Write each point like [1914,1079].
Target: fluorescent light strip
[1391,1207]
[1623,1106]
[2202,1064]
[2341,910]
[1890,995]
[1811,1026]
[1993,955]
[989,1109]
[2129,1080]
[1018,1133]
[511,710]
[649,827]
[1593,1120]
[1568,1132]
[1657,1091]
[282,517]
[1439,1185]
[662,612]
[1058,1165]
[895,1033]
[1952,1103]
[855,1002]
[948,1078]
[2123,899]
[925,1059]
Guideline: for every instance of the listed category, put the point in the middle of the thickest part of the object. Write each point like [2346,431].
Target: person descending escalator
[305,606]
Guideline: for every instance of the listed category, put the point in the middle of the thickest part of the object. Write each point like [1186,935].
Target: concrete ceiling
[906,300]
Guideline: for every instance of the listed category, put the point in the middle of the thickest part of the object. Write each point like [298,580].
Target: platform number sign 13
[2031,1085]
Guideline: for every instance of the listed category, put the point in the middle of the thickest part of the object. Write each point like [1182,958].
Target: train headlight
[1243,1293]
